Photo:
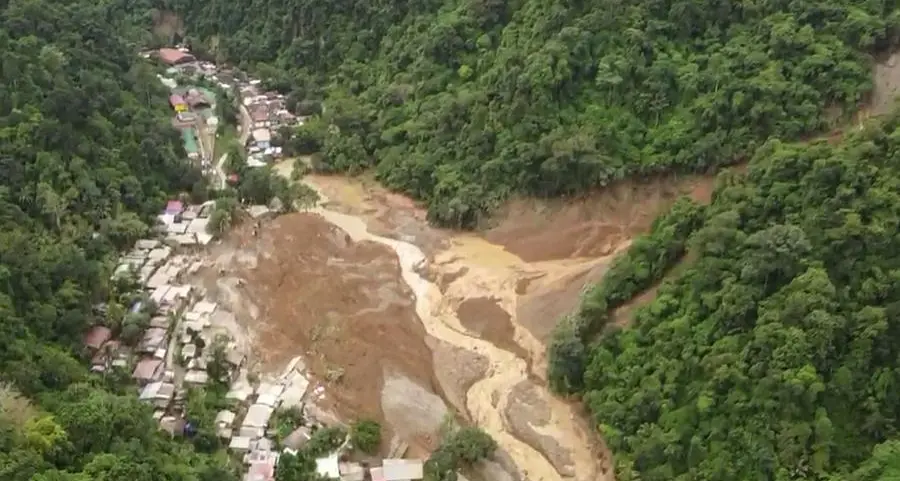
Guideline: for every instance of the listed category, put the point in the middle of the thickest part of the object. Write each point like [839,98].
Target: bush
[461,448]
[366,435]
[326,440]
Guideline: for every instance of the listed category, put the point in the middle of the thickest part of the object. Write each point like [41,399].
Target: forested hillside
[774,354]
[465,102]
[85,155]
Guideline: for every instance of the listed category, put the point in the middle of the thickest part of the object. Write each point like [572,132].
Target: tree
[460,448]
[325,440]
[429,91]
[365,434]
[223,216]
[296,467]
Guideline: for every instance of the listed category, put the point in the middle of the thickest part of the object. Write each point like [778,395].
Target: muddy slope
[405,323]
[344,306]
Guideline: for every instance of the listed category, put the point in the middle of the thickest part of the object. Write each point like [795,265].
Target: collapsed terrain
[408,324]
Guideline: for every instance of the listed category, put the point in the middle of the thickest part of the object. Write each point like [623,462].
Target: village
[262,113]
[178,344]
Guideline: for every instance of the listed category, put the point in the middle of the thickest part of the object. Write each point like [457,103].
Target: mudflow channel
[543,437]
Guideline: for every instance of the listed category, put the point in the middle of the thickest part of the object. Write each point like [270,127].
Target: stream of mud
[487,399]
[487,303]
[485,271]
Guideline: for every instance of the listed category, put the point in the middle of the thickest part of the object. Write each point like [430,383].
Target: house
[178,103]
[148,370]
[377,474]
[262,135]
[268,399]
[171,56]
[251,432]
[258,416]
[158,394]
[351,471]
[260,117]
[262,462]
[401,470]
[161,322]
[297,439]
[103,357]
[174,207]
[97,337]
[235,359]
[154,338]
[196,377]
[224,421]
[146,244]
[328,467]
[197,99]
[240,444]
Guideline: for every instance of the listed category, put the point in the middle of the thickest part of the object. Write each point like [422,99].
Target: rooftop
[97,336]
[402,469]
[173,56]
[328,467]
[147,369]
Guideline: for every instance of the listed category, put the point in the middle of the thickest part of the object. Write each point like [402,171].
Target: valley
[408,323]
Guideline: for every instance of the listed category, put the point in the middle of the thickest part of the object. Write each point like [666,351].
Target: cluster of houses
[266,110]
[267,113]
[160,375]
[171,351]
[391,469]
[186,225]
[170,356]
[192,106]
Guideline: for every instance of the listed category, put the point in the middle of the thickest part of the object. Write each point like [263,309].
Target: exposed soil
[590,226]
[386,213]
[474,340]
[456,370]
[542,302]
[490,322]
[886,80]
[342,304]
[167,24]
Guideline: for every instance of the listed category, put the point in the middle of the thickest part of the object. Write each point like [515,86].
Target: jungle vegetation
[87,157]
[463,103]
[771,354]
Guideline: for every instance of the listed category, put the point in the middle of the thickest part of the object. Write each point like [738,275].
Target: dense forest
[86,157]
[772,354]
[462,103]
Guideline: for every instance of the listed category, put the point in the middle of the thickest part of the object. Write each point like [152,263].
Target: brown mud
[493,297]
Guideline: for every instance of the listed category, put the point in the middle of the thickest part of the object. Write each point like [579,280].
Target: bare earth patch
[344,306]
[526,414]
[485,318]
[456,369]
[413,411]
[593,225]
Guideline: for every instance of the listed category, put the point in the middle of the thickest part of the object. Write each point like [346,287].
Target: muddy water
[551,445]
[506,369]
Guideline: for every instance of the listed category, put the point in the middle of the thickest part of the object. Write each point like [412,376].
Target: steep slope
[85,154]
[462,103]
[772,354]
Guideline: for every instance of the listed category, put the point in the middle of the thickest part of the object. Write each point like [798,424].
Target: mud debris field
[408,324]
